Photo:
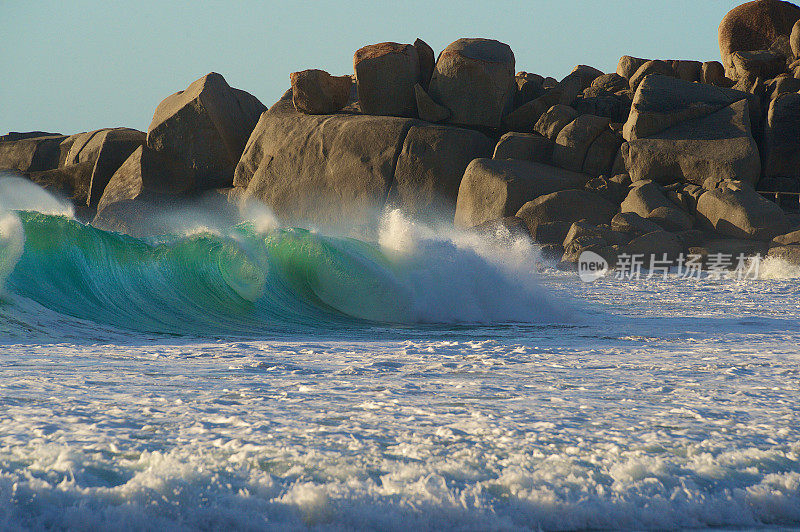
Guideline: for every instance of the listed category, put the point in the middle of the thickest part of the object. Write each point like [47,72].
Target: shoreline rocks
[660,157]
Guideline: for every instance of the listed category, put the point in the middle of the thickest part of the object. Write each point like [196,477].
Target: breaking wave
[256,277]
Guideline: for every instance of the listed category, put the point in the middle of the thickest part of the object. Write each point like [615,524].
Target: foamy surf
[260,377]
[258,277]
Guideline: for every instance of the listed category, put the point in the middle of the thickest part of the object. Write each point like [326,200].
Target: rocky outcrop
[662,102]
[648,69]
[492,189]
[77,167]
[566,206]
[427,61]
[30,152]
[713,73]
[782,137]
[427,109]
[340,169]
[145,175]
[105,150]
[554,119]
[660,156]
[386,74]
[430,167]
[325,169]
[612,82]
[204,129]
[628,65]
[738,211]
[524,147]
[529,87]
[474,79]
[715,143]
[318,93]
[762,64]
[525,118]
[573,141]
[754,25]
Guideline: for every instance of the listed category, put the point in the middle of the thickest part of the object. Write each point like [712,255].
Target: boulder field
[660,157]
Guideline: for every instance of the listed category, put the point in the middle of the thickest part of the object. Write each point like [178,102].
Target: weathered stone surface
[609,188]
[525,147]
[719,144]
[430,167]
[145,175]
[429,110]
[612,82]
[688,70]
[648,69]
[582,237]
[587,75]
[205,129]
[628,66]
[782,137]
[758,63]
[386,74]
[526,117]
[632,223]
[106,150]
[783,47]
[427,60]
[662,102]
[318,93]
[474,78]
[551,233]
[601,153]
[529,87]
[750,84]
[789,239]
[30,153]
[602,103]
[794,39]
[645,198]
[574,139]
[567,206]
[713,73]
[740,212]
[671,219]
[22,135]
[494,189]
[754,26]
[781,85]
[655,246]
[326,169]
[554,119]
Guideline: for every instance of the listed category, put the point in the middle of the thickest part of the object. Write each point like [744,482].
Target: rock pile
[659,157]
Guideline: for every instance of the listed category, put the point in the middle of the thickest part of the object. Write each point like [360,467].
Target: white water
[672,404]
[623,404]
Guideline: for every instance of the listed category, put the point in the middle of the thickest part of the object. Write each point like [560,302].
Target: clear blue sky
[78,65]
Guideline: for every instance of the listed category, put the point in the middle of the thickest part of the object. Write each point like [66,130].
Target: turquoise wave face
[246,282]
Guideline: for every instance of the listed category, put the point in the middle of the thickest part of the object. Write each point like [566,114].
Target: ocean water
[261,377]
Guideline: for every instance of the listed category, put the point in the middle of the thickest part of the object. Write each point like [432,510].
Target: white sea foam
[778,268]
[448,276]
[12,243]
[20,194]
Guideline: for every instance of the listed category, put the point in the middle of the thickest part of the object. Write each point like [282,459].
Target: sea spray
[249,282]
[12,243]
[20,194]
[454,276]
